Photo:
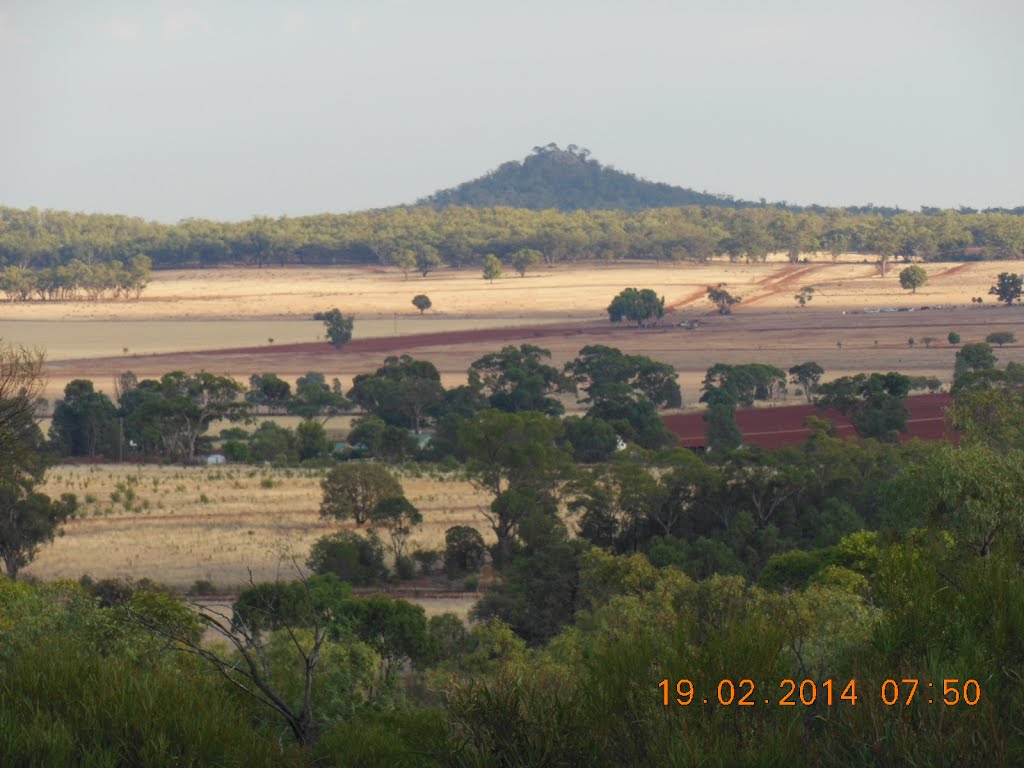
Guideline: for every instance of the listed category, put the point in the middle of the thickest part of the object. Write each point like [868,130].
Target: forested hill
[569,179]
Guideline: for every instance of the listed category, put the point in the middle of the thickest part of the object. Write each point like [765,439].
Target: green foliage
[354,558]
[397,516]
[403,392]
[337,327]
[722,299]
[723,433]
[85,422]
[637,306]
[566,179]
[975,492]
[1000,338]
[311,441]
[275,605]
[492,267]
[539,591]
[874,403]
[171,415]
[805,295]
[269,391]
[422,302]
[464,551]
[526,259]
[1007,288]
[28,519]
[743,384]
[977,356]
[592,440]
[517,379]
[268,442]
[314,399]
[606,374]
[807,375]
[518,458]
[352,490]
[44,249]
[953,337]
[913,277]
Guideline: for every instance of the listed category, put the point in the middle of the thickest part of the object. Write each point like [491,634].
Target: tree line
[424,239]
[77,280]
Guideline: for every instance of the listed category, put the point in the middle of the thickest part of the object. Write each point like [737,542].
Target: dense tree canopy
[407,238]
[637,306]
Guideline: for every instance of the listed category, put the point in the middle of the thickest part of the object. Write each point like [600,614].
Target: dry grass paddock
[177,525]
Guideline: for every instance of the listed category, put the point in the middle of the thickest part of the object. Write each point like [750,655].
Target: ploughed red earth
[784,425]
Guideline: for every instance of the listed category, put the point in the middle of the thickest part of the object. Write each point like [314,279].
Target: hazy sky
[224,109]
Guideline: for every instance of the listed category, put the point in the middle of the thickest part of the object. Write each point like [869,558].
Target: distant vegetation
[624,218]
[568,180]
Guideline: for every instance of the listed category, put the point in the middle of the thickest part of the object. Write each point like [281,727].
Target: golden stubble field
[177,525]
[200,319]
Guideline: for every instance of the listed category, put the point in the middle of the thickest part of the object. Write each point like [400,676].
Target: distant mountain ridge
[569,179]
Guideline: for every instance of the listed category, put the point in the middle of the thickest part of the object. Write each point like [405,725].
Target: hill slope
[569,179]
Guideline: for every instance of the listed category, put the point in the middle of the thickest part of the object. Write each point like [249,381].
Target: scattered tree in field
[805,295]
[807,375]
[398,517]
[352,490]
[911,341]
[1008,287]
[28,518]
[339,327]
[526,259]
[977,300]
[913,277]
[638,306]
[973,357]
[421,302]
[492,267]
[927,341]
[953,337]
[1000,338]
[722,299]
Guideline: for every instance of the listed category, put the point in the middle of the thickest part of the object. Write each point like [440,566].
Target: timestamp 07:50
[744,693]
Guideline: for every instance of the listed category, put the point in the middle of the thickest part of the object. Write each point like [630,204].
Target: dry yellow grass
[462,297]
[216,523]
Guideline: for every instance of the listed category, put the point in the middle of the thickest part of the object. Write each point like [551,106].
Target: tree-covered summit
[569,179]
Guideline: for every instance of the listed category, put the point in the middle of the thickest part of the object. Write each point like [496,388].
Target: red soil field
[781,426]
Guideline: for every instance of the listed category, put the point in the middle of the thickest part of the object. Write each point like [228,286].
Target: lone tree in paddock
[722,299]
[913,278]
[338,327]
[1008,287]
[422,303]
[638,306]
